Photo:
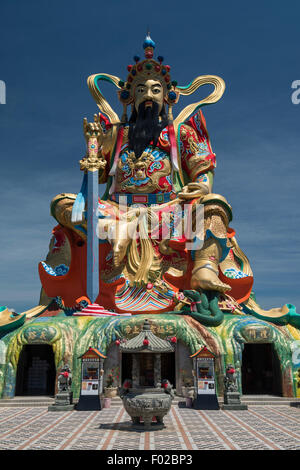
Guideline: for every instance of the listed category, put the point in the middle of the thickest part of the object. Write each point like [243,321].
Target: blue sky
[49,48]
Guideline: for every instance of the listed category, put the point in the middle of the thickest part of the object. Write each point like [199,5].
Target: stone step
[252,400]
[28,401]
[29,404]
[268,400]
[267,397]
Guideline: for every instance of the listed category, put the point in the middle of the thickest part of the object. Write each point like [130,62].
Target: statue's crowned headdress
[149,68]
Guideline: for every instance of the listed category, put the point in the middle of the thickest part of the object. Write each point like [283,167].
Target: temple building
[150,272]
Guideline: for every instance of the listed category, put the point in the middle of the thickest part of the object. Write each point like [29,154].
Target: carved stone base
[232,401]
[232,398]
[241,406]
[63,402]
[61,407]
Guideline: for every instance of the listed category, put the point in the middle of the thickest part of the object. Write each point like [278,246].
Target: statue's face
[149,91]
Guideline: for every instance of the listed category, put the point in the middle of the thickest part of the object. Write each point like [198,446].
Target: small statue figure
[167,386]
[64,396]
[232,398]
[127,384]
[64,380]
[230,379]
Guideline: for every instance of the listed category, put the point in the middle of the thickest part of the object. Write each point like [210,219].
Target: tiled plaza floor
[258,428]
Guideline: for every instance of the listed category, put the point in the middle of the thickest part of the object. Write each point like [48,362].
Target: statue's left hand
[192,191]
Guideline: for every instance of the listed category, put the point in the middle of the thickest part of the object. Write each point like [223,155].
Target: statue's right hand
[93,129]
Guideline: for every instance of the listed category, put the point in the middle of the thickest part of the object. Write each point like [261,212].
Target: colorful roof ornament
[92,353]
[95,310]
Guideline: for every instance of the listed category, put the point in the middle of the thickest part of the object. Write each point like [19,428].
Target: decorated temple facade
[261,352]
[151,272]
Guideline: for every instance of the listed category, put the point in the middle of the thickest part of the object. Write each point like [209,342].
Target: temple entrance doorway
[261,374]
[168,368]
[36,371]
[126,367]
[146,368]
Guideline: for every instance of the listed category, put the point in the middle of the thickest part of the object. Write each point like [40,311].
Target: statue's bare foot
[120,235]
[119,251]
[207,279]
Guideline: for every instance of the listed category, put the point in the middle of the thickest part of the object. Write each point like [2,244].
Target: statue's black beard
[145,126]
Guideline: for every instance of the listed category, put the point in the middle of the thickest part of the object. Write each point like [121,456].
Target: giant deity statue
[147,234]
[172,248]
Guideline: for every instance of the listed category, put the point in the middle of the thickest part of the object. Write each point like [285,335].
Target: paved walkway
[259,427]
